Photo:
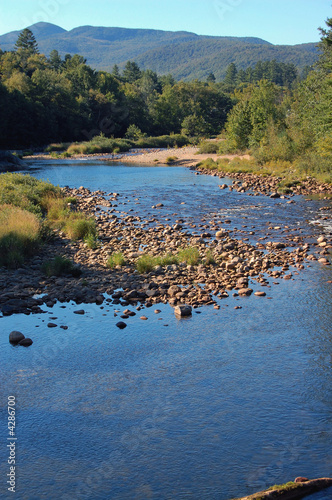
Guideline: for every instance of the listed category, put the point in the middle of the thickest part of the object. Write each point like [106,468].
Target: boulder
[15,337]
[10,163]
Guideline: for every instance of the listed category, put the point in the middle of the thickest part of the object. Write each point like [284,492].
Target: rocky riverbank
[268,185]
[229,263]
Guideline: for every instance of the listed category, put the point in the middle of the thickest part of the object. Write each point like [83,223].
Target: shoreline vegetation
[293,490]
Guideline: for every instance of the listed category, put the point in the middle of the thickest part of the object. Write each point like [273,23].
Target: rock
[121,325]
[220,234]
[183,311]
[51,325]
[16,337]
[25,342]
[300,479]
[173,290]
[10,162]
[144,318]
[275,195]
[260,294]
[245,291]
[80,311]
[324,260]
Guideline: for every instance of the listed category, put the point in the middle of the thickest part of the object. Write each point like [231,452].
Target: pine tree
[27,42]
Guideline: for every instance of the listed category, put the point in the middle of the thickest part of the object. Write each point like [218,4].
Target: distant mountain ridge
[186,55]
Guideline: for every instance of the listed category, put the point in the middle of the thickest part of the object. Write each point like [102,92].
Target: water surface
[220,405]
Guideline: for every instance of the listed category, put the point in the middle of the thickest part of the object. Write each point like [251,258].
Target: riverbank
[189,156]
[227,263]
[185,156]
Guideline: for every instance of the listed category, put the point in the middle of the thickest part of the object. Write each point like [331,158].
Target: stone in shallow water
[15,337]
[121,325]
[183,311]
[25,342]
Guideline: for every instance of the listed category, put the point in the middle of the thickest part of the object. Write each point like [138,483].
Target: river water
[217,406]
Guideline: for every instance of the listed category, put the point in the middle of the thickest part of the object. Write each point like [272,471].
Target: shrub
[60,266]
[91,241]
[163,141]
[208,147]
[146,263]
[167,260]
[171,159]
[57,147]
[77,226]
[25,191]
[55,207]
[189,255]
[19,235]
[116,259]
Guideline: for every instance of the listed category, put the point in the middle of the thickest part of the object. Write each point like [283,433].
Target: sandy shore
[187,156]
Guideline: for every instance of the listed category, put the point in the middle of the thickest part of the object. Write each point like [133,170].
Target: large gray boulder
[10,162]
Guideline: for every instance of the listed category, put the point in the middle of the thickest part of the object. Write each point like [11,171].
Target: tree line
[53,99]
[269,108]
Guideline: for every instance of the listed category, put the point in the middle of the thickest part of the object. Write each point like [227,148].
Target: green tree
[132,72]
[231,73]
[27,42]
[55,61]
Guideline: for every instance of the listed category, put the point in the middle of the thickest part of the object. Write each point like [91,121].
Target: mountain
[184,54]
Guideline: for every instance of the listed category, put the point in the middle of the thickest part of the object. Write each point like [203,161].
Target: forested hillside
[186,55]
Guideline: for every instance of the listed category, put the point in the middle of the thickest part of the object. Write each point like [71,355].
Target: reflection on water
[217,406]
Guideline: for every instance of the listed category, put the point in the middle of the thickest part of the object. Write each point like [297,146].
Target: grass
[287,486]
[98,145]
[60,266]
[19,235]
[292,172]
[78,227]
[189,255]
[101,144]
[148,262]
[171,159]
[116,259]
[29,209]
[26,192]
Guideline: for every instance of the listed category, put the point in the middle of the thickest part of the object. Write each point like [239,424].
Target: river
[217,406]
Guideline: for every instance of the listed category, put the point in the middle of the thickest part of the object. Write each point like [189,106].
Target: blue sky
[277,21]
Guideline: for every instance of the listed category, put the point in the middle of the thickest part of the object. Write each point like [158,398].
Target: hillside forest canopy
[268,109]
